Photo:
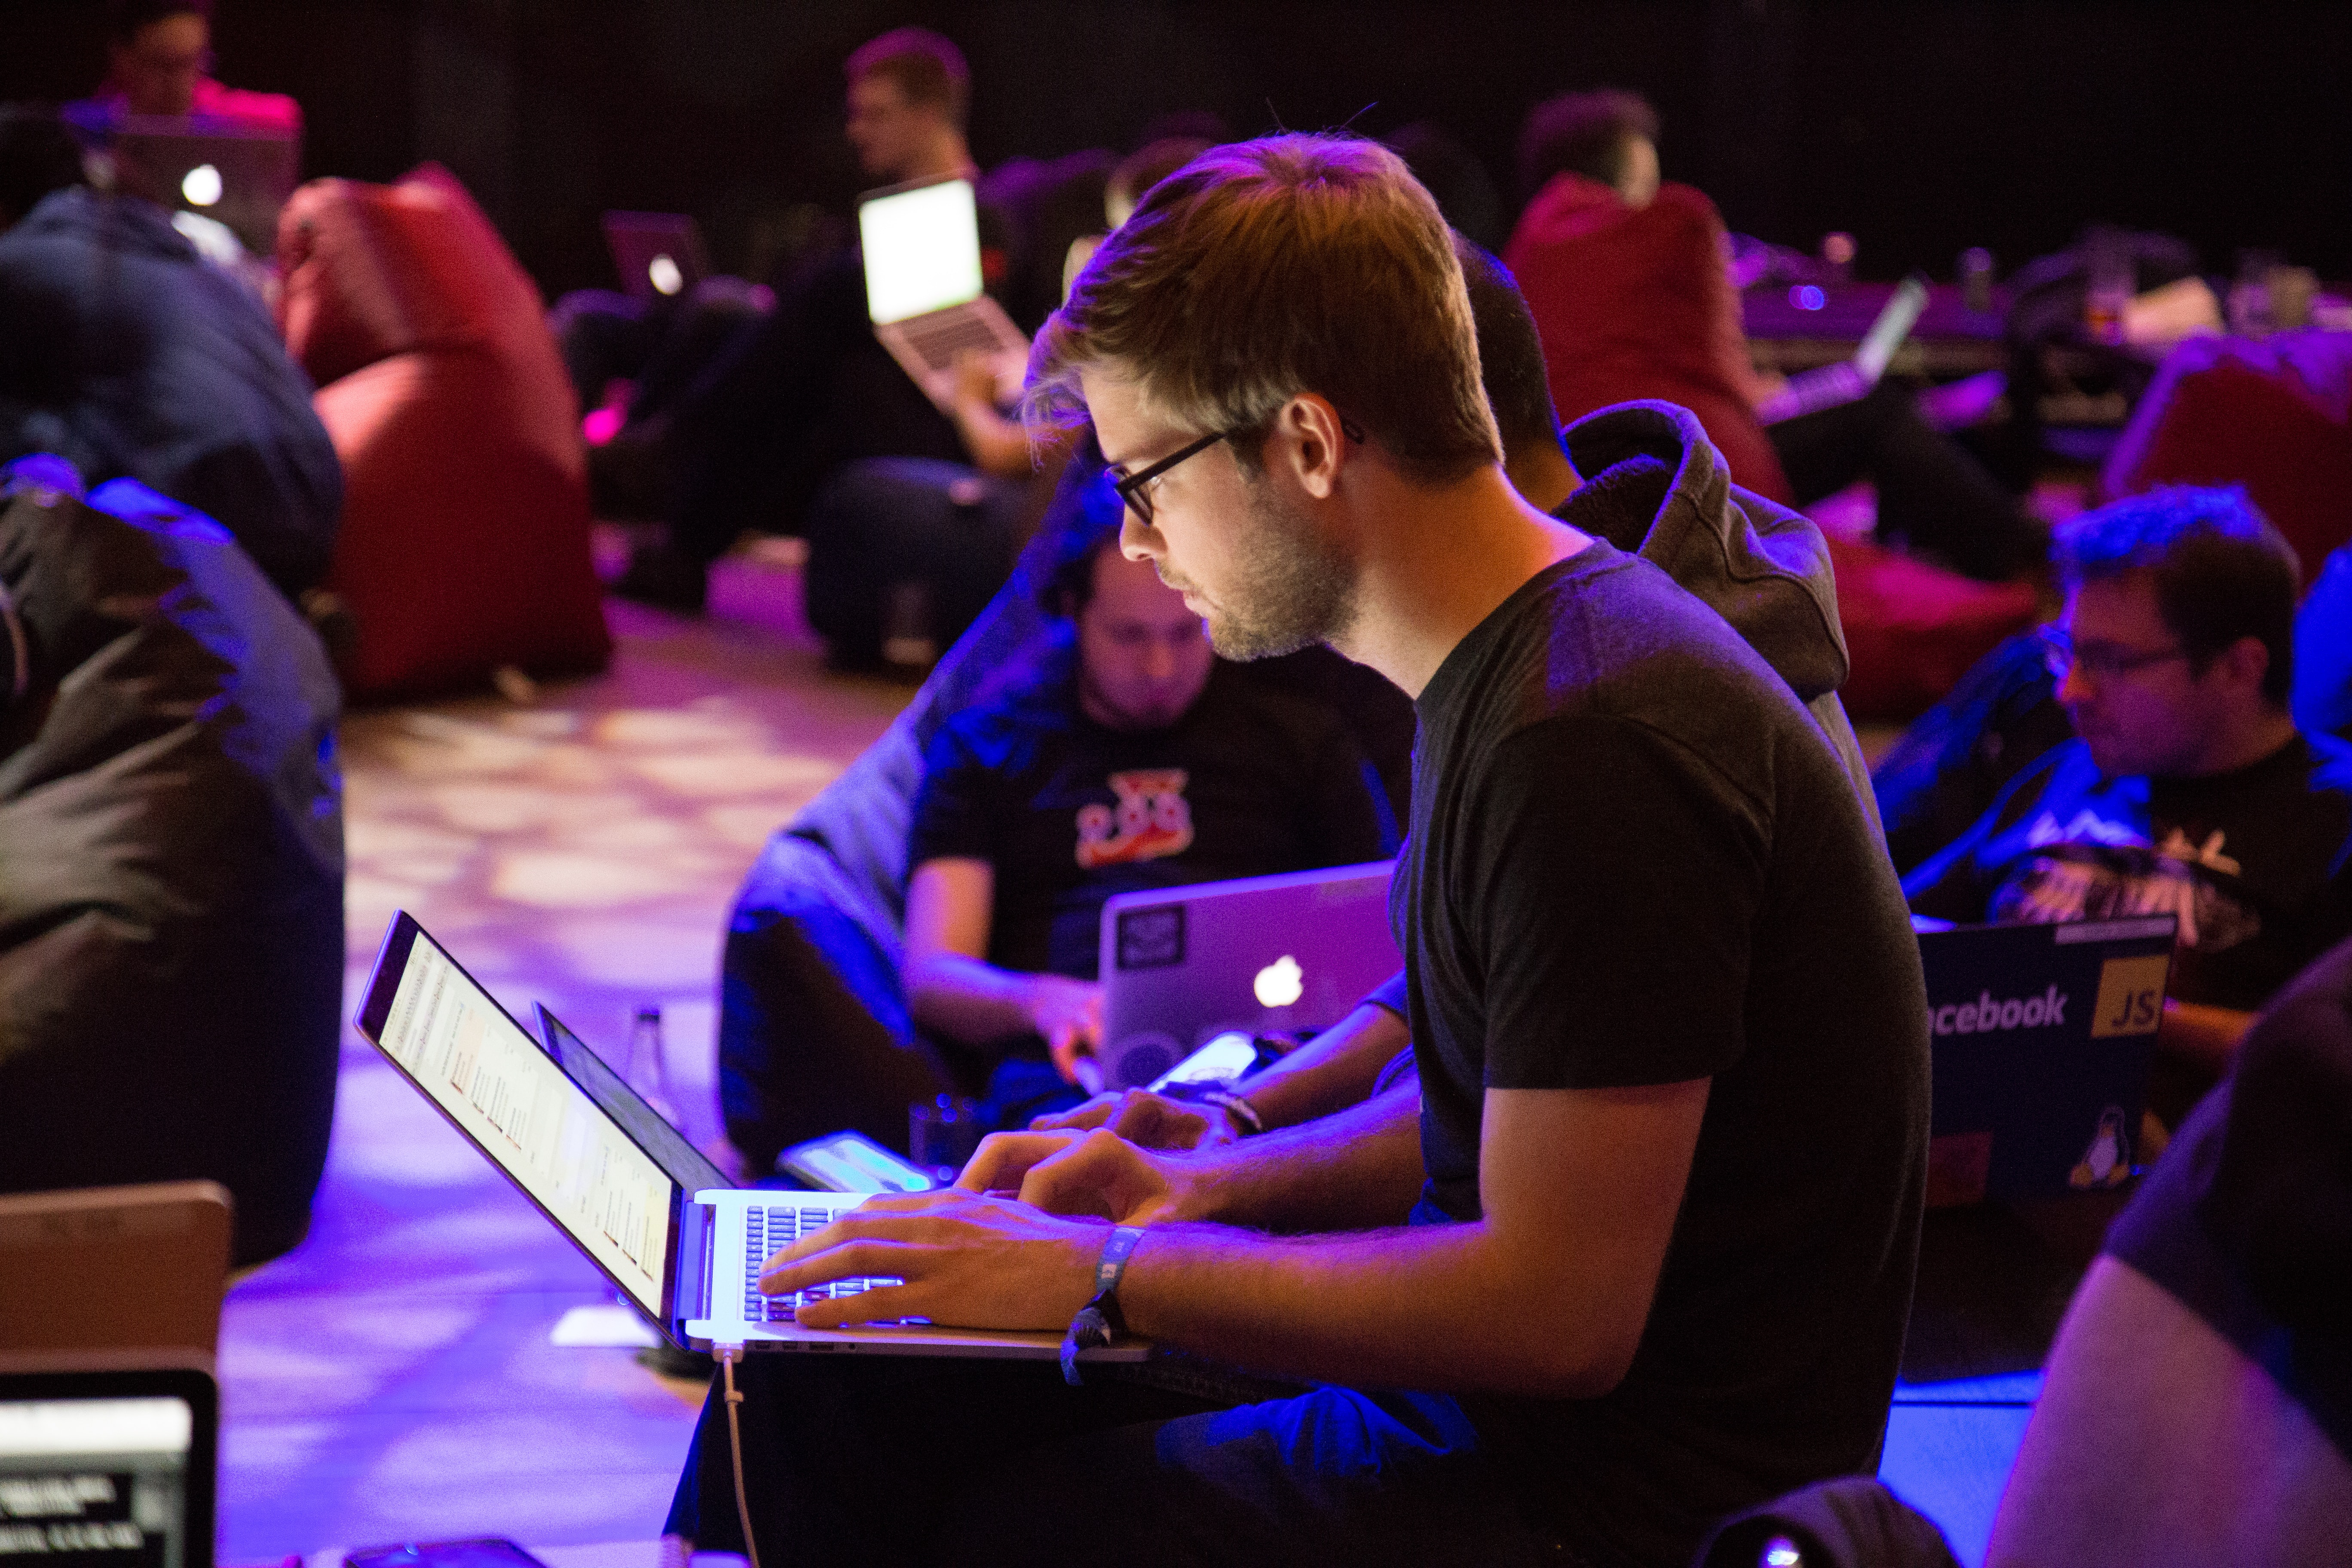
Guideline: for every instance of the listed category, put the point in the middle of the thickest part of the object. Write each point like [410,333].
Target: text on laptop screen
[541,1127]
[98,1480]
[922,250]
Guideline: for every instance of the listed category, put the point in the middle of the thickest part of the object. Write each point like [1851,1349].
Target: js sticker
[2131,996]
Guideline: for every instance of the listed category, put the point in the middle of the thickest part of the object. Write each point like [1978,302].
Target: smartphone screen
[852,1163]
[1222,1060]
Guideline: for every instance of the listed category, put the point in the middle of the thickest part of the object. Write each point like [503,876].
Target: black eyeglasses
[1138,499]
[2060,654]
[1130,486]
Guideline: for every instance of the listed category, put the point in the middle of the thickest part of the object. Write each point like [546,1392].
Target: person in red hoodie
[159,58]
[1626,276]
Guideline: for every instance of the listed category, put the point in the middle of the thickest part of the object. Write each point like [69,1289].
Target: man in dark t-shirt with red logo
[1127,757]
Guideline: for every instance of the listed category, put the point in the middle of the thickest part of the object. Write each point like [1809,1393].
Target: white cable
[728,1356]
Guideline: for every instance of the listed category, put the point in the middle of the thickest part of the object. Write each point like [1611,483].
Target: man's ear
[1311,438]
[2246,662]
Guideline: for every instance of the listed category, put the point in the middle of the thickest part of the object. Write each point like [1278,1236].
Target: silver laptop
[240,179]
[658,255]
[685,1252]
[1181,965]
[108,1464]
[923,284]
[1810,392]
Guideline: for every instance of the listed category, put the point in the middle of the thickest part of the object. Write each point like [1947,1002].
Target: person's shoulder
[994,732]
[1687,203]
[1615,617]
[2330,767]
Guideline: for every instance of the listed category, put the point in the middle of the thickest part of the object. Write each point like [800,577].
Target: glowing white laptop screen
[541,1127]
[922,250]
[96,1481]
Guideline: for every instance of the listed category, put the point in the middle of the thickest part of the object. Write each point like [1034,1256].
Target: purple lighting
[1807,297]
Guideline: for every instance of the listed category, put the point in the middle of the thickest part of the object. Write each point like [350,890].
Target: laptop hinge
[694,1247]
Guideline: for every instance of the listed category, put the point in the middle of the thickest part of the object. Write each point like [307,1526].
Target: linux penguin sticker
[2108,1162]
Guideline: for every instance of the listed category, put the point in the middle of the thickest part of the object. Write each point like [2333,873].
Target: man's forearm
[1356,1169]
[2207,1035]
[967,999]
[1436,1307]
[1333,1070]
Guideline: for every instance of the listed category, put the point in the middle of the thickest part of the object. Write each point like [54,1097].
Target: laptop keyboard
[941,338]
[767,1231]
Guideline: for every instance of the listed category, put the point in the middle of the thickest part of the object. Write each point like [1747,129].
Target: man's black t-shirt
[1067,812]
[1634,860]
[2257,862]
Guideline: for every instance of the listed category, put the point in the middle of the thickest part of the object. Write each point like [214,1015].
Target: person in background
[2188,789]
[125,353]
[1626,275]
[807,390]
[1136,174]
[1127,757]
[159,61]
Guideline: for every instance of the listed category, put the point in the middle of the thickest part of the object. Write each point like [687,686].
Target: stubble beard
[1300,590]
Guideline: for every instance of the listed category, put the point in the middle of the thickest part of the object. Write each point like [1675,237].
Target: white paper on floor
[607,1323]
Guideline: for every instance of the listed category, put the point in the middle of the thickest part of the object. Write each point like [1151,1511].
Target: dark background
[1921,127]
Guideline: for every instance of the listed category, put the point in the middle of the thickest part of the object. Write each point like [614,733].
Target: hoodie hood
[1655,487]
[121,222]
[1653,474]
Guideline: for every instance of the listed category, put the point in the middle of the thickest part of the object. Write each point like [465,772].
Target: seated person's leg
[929,1459]
[757,402]
[856,1458]
[699,335]
[1931,493]
[1937,498]
[603,337]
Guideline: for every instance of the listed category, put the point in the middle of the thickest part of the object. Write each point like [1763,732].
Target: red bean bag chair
[1636,302]
[2271,415]
[1912,630]
[465,538]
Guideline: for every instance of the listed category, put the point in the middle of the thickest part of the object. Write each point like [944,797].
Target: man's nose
[1138,540]
[2072,688]
[1158,661]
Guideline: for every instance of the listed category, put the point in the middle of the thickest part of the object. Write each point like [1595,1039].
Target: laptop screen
[686,1165]
[105,1468]
[1894,324]
[544,1130]
[922,250]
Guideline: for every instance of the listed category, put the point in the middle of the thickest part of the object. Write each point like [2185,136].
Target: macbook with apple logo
[1291,953]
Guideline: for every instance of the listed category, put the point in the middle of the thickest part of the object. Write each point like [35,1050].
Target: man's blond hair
[1263,270]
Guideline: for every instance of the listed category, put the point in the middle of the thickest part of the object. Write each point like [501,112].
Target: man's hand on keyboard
[967,1260]
[1096,1174]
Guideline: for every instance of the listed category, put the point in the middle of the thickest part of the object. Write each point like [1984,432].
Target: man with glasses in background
[2188,789]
